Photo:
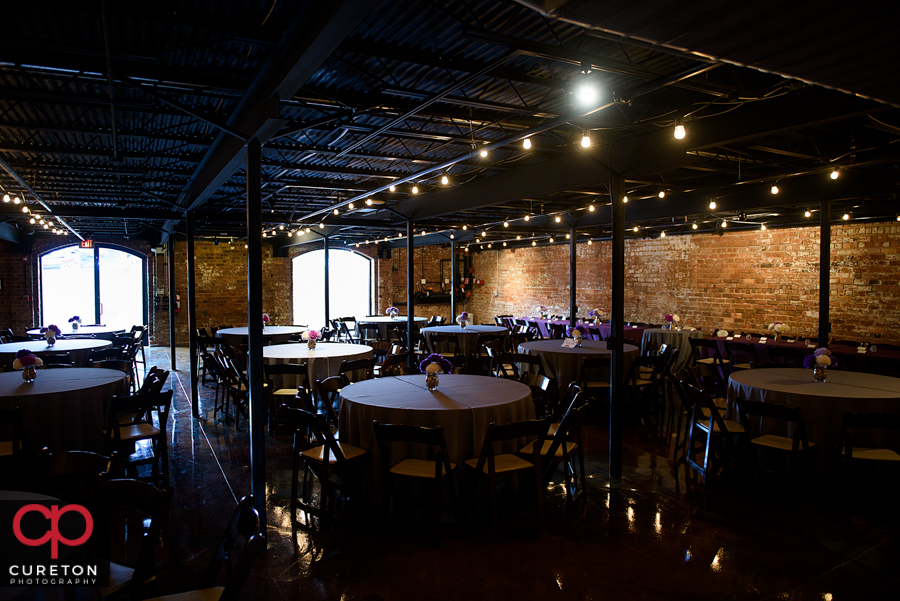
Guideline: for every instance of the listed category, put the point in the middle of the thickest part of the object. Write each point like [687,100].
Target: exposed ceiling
[118,117]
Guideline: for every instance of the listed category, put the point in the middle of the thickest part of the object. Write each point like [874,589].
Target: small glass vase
[51,340]
[74,326]
[29,374]
[431,381]
[311,344]
[777,336]
[463,324]
[820,373]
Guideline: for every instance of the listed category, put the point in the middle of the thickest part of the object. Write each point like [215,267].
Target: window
[350,286]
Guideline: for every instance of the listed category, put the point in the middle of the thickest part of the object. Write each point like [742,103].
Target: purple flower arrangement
[582,331]
[392,311]
[462,318]
[75,319]
[25,358]
[437,359]
[51,330]
[820,358]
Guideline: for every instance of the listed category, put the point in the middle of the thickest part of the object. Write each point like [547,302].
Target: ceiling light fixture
[586,91]
[6,198]
[846,216]
[634,229]
[712,205]
[807,213]
[694,226]
[774,189]
[415,190]
[506,224]
[445,180]
[835,174]
[393,188]
[16,200]
[679,132]
[586,139]
[662,235]
[763,227]
[526,143]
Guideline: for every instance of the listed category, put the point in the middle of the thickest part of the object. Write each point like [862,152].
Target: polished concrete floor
[637,540]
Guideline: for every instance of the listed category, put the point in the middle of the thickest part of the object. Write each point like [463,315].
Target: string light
[350,206]
[321,225]
[504,244]
[662,194]
[634,229]
[452,236]
[526,143]
[415,190]
[527,217]
[533,243]
[712,205]
[568,236]
[506,224]
[591,208]
[835,174]
[290,234]
[807,213]
[484,234]
[519,237]
[483,152]
[846,216]
[694,226]
[763,227]
[679,132]
[6,198]
[281,227]
[393,188]
[551,240]
[590,242]
[25,209]
[625,199]
[724,223]
[774,189]
[558,219]
[307,229]
[465,227]
[586,139]
[662,235]
[16,200]
[445,180]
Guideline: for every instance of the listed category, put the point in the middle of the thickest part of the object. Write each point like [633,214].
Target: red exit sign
[86,244]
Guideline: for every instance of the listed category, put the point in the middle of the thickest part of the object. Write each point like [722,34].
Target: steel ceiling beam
[307,42]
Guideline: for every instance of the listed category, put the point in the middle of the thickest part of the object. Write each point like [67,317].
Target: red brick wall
[742,280]
[17,275]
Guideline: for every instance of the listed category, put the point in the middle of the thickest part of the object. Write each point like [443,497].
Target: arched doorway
[104,284]
[350,286]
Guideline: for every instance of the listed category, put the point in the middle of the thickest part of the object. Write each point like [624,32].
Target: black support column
[453,278]
[192,315]
[411,331]
[824,273]
[170,255]
[617,315]
[573,279]
[255,328]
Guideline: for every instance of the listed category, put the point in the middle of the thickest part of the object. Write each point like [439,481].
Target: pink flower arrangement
[463,318]
[313,335]
[266,318]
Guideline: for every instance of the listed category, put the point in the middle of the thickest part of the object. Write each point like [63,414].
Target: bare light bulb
[591,208]
[634,229]
[526,143]
[625,199]
[465,227]
[527,217]
[321,225]
[680,132]
[16,200]
[662,235]
[763,227]
[415,190]
[6,198]
[445,180]
[586,140]
[835,174]
[774,189]
[350,206]
[712,204]
[590,242]
[336,212]
[846,216]
[506,224]
[694,226]
[533,243]
[393,188]
[558,219]
[369,200]
[724,224]
[483,153]
[662,194]
[551,240]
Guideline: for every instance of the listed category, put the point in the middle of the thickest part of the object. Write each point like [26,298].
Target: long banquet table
[63,409]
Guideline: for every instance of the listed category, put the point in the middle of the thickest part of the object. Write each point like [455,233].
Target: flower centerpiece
[311,338]
[595,313]
[75,321]
[780,330]
[672,320]
[542,311]
[578,333]
[820,361]
[51,333]
[266,319]
[431,366]
[392,312]
[463,320]
[27,361]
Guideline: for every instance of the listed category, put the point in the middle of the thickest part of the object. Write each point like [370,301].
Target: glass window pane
[121,289]
[67,286]
[350,286]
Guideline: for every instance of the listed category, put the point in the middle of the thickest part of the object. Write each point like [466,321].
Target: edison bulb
[526,143]
[585,141]
[679,132]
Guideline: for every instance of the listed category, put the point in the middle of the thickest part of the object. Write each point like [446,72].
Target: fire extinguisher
[177,303]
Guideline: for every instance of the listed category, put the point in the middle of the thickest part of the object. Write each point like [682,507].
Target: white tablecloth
[383,322]
[321,363]
[823,404]
[79,349]
[63,409]
[237,336]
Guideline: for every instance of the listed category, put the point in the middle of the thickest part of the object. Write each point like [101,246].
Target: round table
[823,404]
[384,321]
[463,405]
[236,336]
[321,363]
[79,349]
[680,339]
[106,332]
[564,364]
[467,337]
[63,409]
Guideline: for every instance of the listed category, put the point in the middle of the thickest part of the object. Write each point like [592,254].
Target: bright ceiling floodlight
[712,205]
[393,188]
[662,194]
[835,174]
[415,190]
[526,143]
[586,90]
[774,189]
[586,139]
[694,226]
[445,180]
